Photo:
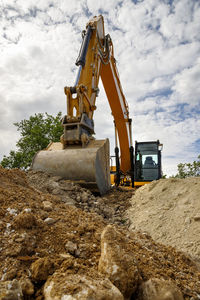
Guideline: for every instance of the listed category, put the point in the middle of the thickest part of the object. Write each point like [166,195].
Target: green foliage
[164,176]
[36,133]
[14,160]
[189,169]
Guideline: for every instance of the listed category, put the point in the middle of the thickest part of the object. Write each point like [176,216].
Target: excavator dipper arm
[78,123]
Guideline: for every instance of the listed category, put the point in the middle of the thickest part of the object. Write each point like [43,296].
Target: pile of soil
[48,224]
[169,211]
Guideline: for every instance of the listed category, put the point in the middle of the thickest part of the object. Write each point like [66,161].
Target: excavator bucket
[88,166]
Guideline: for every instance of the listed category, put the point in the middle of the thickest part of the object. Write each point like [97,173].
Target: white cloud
[103,5]
[186,87]
[157,49]
[31,4]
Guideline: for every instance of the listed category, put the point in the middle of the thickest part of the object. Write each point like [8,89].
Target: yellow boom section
[119,108]
[86,85]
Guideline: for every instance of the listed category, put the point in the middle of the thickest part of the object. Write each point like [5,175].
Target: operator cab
[147,161]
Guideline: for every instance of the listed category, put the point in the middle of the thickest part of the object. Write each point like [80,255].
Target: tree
[36,133]
[189,169]
[164,176]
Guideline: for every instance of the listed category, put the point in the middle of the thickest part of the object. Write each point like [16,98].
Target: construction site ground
[59,241]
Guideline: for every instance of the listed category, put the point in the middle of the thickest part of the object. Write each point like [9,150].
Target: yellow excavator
[81,158]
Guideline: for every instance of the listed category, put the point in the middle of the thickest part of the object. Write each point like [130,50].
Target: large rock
[75,287]
[25,220]
[159,289]
[10,290]
[26,286]
[42,268]
[117,261]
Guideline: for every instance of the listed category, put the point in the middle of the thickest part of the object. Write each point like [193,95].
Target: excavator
[79,156]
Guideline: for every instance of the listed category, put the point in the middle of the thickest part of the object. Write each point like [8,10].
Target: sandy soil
[169,210]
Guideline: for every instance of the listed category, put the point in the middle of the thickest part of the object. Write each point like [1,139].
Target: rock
[197,217]
[47,205]
[85,196]
[10,290]
[67,186]
[68,200]
[52,184]
[56,191]
[71,247]
[14,251]
[75,287]
[49,221]
[25,220]
[43,215]
[41,269]
[12,211]
[27,286]
[56,178]
[117,261]
[159,289]
[10,275]
[107,212]
[187,220]
[82,251]
[78,198]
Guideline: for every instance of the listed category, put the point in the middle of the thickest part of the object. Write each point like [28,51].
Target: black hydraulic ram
[131,149]
[82,55]
[84,47]
[118,173]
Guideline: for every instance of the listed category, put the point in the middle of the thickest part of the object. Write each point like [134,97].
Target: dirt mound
[46,241]
[169,210]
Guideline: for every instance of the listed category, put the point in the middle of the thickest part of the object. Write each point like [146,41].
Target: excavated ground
[169,210]
[53,221]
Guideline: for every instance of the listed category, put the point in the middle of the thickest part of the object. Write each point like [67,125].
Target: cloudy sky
[157,48]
